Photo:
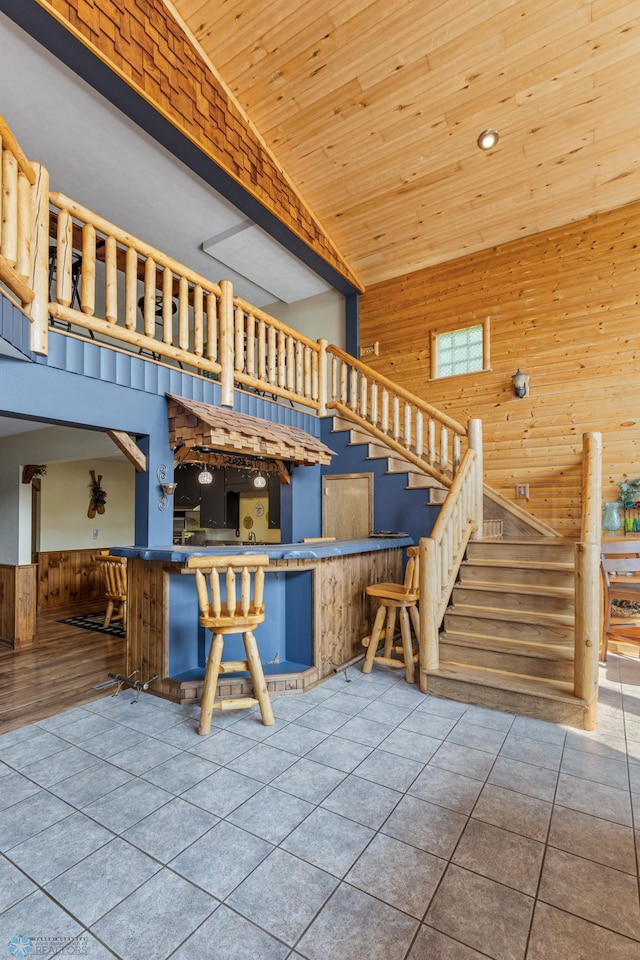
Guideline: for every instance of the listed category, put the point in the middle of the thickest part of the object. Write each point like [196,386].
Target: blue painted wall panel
[395,507]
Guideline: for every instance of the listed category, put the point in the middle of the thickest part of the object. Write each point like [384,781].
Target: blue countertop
[276,551]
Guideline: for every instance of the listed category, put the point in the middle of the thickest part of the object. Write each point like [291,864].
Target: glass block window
[459,351]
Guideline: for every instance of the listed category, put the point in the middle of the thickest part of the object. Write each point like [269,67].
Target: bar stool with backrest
[236,614]
[396,598]
[114,573]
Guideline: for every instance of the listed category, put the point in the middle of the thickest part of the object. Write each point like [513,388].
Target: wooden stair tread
[561,651]
[500,613]
[545,689]
[553,565]
[532,590]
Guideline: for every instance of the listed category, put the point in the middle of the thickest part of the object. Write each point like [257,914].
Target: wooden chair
[114,574]
[621,581]
[235,615]
[394,598]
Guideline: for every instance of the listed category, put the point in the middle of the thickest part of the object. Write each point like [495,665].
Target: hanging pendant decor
[98,496]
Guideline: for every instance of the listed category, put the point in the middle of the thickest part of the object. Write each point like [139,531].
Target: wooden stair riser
[546,549]
[555,632]
[512,600]
[570,712]
[530,665]
[513,574]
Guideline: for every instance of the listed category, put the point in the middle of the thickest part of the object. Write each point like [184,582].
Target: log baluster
[198,320]
[64,282]
[88,284]
[130,287]
[183,313]
[149,310]
[167,305]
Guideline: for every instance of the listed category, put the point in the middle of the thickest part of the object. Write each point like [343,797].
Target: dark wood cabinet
[274,502]
[213,513]
[187,495]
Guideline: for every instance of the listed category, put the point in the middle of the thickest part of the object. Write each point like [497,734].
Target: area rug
[94,621]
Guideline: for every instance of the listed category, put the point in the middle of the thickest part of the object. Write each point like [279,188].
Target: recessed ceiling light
[488,139]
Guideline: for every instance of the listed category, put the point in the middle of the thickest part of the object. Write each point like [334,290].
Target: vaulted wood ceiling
[373,108]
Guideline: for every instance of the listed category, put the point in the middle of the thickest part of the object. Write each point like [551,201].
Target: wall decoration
[98,496]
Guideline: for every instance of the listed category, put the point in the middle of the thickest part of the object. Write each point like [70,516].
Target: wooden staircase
[508,639]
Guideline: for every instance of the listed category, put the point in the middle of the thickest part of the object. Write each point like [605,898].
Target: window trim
[486,355]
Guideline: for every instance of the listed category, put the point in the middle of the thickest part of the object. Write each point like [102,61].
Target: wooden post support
[591,487]
[226,334]
[587,626]
[474,432]
[429,602]
[323,378]
[38,309]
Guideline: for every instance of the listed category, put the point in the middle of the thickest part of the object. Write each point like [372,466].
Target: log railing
[109,282]
[420,433]
[442,553]
[588,589]
[272,357]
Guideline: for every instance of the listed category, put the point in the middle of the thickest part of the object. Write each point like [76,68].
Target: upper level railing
[73,267]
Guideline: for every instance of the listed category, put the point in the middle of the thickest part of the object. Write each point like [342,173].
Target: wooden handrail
[128,240]
[444,517]
[274,322]
[11,144]
[390,442]
[399,391]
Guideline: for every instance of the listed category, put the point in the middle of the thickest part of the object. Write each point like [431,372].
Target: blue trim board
[52,35]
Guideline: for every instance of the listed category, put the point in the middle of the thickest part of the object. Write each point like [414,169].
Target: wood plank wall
[564,307]
[18,604]
[152,52]
[68,577]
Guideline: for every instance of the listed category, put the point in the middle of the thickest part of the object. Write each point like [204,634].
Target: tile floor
[370,822]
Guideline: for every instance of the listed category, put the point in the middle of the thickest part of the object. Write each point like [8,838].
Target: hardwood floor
[58,672]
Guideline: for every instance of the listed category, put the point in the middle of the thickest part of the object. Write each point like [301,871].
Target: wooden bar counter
[316,613]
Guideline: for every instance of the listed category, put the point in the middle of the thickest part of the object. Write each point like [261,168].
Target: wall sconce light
[205,476]
[520,382]
[168,489]
[488,139]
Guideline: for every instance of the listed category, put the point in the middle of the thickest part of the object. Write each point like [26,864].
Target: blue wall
[394,507]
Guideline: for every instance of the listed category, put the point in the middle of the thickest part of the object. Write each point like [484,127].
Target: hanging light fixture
[205,476]
[259,481]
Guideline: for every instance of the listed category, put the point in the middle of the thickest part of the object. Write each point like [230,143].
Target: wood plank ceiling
[373,108]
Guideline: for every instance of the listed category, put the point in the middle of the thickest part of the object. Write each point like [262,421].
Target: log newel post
[429,601]
[475,443]
[226,333]
[587,627]
[38,309]
[588,585]
[323,378]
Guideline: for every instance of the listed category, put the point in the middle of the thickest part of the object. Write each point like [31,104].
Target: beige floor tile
[514,811]
[482,914]
[593,838]
[500,855]
[592,891]
[556,935]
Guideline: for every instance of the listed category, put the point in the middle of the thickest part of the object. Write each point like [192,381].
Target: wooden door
[347,505]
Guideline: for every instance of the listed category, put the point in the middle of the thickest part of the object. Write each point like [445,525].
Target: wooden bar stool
[114,573]
[235,615]
[396,598]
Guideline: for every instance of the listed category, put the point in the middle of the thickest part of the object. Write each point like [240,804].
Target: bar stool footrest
[235,703]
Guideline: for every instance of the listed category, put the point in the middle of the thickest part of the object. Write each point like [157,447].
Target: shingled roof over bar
[195,425]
